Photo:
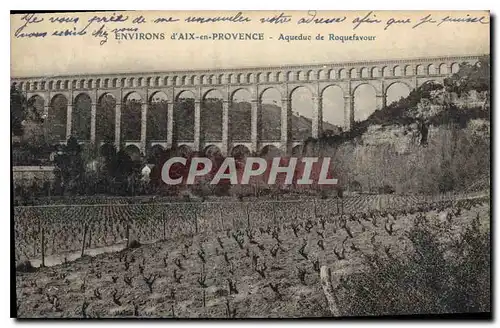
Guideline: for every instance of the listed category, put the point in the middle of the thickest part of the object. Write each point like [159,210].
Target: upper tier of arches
[365,70]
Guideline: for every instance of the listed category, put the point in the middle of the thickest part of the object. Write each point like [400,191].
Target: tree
[470,77]
[69,167]
[18,108]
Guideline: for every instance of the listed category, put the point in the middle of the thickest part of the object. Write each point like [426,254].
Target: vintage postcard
[251,164]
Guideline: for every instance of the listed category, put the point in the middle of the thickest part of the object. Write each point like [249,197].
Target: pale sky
[68,55]
[56,55]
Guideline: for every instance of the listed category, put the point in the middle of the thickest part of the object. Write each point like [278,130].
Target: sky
[69,55]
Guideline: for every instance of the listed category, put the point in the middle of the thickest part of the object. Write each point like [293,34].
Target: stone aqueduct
[285,79]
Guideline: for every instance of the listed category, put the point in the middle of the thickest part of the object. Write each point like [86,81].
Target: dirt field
[269,269]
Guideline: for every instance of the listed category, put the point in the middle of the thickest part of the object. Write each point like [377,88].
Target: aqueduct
[146,110]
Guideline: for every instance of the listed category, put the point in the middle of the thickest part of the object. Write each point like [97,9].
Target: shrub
[25,266]
[134,244]
[425,282]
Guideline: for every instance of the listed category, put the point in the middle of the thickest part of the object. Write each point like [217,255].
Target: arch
[175,80]
[42,85]
[323,74]
[35,86]
[193,80]
[365,101]
[431,69]
[455,67]
[211,151]
[36,105]
[260,77]
[280,77]
[81,84]
[302,76]
[57,117]
[240,115]
[302,113]
[184,151]
[105,118]
[365,73]
[51,85]
[397,71]
[240,152]
[155,153]
[234,78]
[375,72]
[74,84]
[408,70]
[58,85]
[431,81]
[134,152]
[385,71]
[270,100]
[270,151]
[241,78]
[290,76]
[353,73]
[157,81]
[130,120]
[420,69]
[333,106]
[342,74]
[397,90]
[269,77]
[443,69]
[157,116]
[211,115]
[98,83]
[332,74]
[250,78]
[81,116]
[312,75]
[184,107]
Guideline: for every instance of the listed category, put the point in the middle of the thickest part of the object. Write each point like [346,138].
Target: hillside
[240,122]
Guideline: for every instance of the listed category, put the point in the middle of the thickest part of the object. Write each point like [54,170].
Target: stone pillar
[69,117]
[415,77]
[197,124]
[256,124]
[348,112]
[144,125]
[93,115]
[317,122]
[225,127]
[286,126]
[381,101]
[118,117]
[47,121]
[170,124]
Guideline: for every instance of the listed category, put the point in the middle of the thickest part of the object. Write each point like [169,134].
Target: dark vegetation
[434,278]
